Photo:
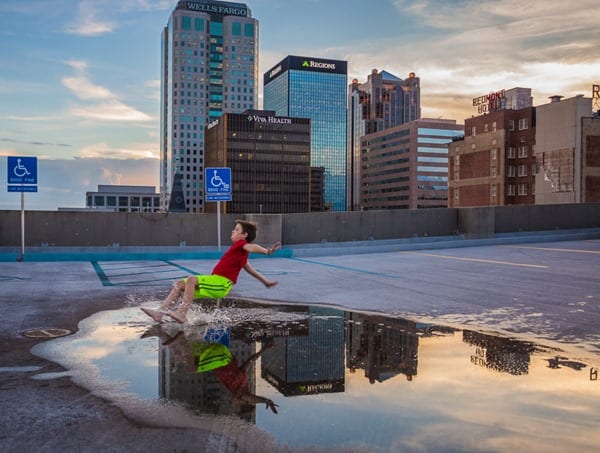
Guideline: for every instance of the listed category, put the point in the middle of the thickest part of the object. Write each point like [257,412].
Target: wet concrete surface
[548,293]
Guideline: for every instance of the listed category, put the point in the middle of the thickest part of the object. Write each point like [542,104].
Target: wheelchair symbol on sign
[20,170]
[216,181]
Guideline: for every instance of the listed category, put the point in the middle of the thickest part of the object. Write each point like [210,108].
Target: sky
[80,79]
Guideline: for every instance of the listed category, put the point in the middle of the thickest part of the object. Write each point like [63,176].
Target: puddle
[338,379]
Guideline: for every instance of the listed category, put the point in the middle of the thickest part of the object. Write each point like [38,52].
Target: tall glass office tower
[315,88]
[209,66]
[382,102]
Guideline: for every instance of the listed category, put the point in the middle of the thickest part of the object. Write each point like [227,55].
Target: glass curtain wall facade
[382,102]
[406,167]
[304,87]
[209,66]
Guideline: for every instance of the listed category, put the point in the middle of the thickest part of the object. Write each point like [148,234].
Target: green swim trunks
[210,356]
[211,286]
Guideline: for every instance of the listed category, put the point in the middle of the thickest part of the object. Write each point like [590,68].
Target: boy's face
[238,233]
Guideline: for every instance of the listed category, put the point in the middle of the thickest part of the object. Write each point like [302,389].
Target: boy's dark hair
[249,228]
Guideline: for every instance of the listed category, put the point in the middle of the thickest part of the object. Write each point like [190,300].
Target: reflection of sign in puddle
[343,378]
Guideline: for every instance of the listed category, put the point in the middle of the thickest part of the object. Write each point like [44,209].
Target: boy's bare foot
[154,314]
[177,316]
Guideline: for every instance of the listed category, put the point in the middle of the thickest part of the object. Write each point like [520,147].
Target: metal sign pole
[219,225]
[22,227]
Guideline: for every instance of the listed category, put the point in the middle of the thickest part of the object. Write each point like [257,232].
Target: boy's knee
[179,284]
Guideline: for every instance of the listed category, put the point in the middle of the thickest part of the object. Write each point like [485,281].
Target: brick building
[494,164]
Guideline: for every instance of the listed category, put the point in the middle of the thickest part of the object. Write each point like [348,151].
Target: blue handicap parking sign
[217,183]
[22,170]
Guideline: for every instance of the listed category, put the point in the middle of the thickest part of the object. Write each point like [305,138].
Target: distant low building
[124,199]
[565,171]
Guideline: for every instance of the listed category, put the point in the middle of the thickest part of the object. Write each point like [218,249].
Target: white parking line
[550,249]
[478,260]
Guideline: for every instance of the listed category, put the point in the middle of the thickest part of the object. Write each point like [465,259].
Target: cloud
[30,118]
[111,108]
[154,87]
[64,182]
[87,23]
[21,142]
[84,89]
[135,151]
[469,48]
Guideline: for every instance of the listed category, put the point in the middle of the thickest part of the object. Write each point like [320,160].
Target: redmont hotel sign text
[489,102]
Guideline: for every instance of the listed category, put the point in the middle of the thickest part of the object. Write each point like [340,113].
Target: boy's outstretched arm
[255,248]
[257,275]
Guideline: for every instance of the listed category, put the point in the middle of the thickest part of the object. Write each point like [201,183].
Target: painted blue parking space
[147,273]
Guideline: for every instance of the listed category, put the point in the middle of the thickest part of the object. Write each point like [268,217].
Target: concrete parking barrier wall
[102,229]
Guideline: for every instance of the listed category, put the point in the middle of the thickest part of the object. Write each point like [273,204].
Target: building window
[473,131]
[523,124]
[493,172]
[522,170]
[98,200]
[512,171]
[485,127]
[494,126]
[522,189]
[493,190]
[522,151]
[510,190]
[494,153]
[511,125]
[512,152]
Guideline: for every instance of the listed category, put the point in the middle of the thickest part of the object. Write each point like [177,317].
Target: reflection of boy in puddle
[201,357]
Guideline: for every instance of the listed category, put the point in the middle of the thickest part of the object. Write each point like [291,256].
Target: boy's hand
[274,247]
[270,284]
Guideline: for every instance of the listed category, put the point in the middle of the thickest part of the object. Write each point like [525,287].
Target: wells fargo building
[269,157]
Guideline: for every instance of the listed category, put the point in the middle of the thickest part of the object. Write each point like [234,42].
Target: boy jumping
[223,276]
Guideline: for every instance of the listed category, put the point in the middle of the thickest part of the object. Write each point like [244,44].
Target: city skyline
[80,80]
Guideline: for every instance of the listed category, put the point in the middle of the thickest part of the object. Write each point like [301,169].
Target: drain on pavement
[48,332]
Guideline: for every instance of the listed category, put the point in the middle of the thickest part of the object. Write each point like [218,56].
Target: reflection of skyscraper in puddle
[202,392]
[310,363]
[501,354]
[383,347]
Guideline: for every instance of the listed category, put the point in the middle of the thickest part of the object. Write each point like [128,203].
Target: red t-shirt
[232,262]
[233,378]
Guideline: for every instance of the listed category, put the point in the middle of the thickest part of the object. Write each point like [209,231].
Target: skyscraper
[306,87]
[382,102]
[209,66]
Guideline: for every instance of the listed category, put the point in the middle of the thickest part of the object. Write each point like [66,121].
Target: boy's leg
[188,297]
[171,299]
